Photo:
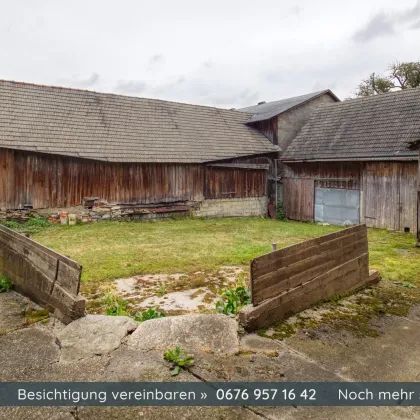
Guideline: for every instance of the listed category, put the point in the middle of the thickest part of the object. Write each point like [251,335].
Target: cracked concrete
[100,348]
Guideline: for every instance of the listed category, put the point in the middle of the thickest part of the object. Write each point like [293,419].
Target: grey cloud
[296,10]
[130,86]
[208,64]
[156,59]
[380,24]
[409,14]
[387,23]
[83,83]
[242,98]
[416,25]
[165,87]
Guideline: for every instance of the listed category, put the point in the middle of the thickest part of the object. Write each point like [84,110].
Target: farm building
[119,155]
[351,162]
[416,146]
[280,121]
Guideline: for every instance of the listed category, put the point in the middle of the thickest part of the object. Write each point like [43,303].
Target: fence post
[273,247]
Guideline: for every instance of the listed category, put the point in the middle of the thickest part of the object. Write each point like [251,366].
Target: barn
[351,163]
[119,156]
[415,145]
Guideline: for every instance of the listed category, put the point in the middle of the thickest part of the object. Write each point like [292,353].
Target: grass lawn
[109,250]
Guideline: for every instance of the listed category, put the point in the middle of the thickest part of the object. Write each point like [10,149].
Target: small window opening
[406,230]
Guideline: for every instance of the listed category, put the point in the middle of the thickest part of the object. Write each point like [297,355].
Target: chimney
[262,102]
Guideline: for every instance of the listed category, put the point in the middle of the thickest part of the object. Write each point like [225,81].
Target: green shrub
[179,359]
[151,313]
[5,284]
[37,221]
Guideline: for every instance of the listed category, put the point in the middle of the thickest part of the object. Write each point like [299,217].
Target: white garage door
[337,206]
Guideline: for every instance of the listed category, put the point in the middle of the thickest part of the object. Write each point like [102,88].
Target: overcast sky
[224,53]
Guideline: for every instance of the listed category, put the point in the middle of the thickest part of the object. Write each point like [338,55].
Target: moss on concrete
[353,313]
[33,316]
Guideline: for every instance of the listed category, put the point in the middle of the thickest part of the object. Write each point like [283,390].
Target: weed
[5,284]
[280,212]
[151,313]
[115,306]
[10,224]
[234,299]
[405,284]
[37,221]
[179,359]
[161,291]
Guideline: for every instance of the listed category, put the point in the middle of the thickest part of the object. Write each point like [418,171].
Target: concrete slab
[283,367]
[94,335]
[195,333]
[128,365]
[335,413]
[393,356]
[36,413]
[167,413]
[26,353]
[12,310]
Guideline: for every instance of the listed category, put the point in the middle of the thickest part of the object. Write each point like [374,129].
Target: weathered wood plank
[349,276]
[68,277]
[45,276]
[293,253]
[36,245]
[278,271]
[289,277]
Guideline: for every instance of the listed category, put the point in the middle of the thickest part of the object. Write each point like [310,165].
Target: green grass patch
[109,250]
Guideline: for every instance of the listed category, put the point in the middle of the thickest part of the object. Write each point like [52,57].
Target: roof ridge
[71,89]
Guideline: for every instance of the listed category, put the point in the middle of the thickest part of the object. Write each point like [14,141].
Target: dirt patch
[173,294]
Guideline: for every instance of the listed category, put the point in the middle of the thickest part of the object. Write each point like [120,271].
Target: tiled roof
[120,128]
[268,110]
[380,126]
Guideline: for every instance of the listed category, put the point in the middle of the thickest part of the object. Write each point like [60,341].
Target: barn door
[299,199]
[389,188]
[381,195]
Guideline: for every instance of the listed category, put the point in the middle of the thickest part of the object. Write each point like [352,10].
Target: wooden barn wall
[234,183]
[300,180]
[48,181]
[327,174]
[389,193]
[418,203]
[269,128]
[388,190]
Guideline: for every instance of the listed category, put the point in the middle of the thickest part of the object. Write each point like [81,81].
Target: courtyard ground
[181,266]
[372,335]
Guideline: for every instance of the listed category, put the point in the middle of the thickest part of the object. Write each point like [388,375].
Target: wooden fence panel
[42,274]
[295,277]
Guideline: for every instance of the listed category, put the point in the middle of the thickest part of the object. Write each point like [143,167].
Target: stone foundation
[98,211]
[234,207]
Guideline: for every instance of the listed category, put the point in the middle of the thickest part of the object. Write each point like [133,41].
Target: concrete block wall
[233,207]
